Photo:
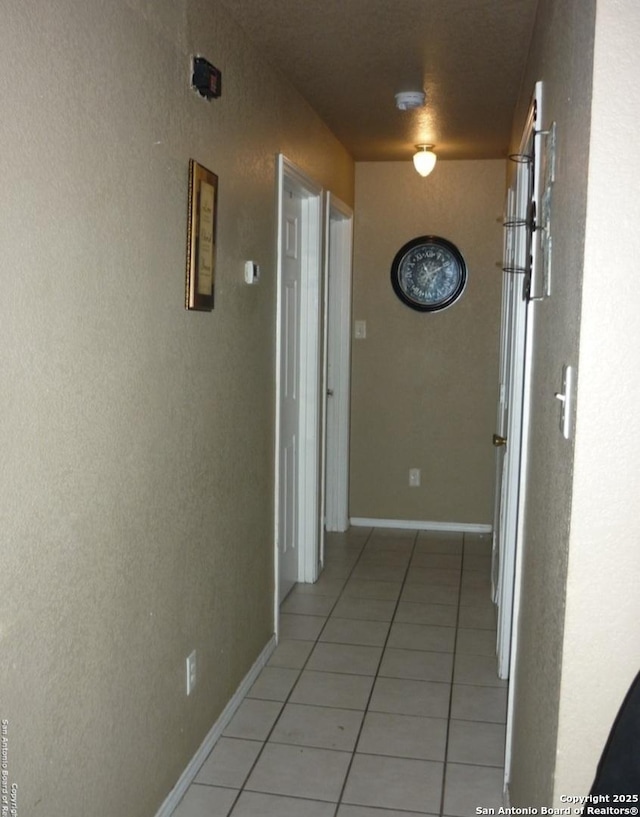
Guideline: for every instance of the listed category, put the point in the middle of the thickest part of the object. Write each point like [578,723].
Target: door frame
[337,365]
[290,176]
[531,135]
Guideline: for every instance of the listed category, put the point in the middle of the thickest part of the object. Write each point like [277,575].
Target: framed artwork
[201,237]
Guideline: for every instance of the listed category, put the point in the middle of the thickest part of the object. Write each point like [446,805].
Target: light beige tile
[359,588]
[385,558]
[438,615]
[475,580]
[468,786]
[403,736]
[481,617]
[480,744]
[300,771]
[387,544]
[352,538]
[291,653]
[418,665]
[325,586]
[394,533]
[307,604]
[394,783]
[407,697]
[421,637]
[304,628]
[337,570]
[344,558]
[475,703]
[477,544]
[439,543]
[206,801]
[430,594]
[433,575]
[332,689]
[346,658]
[476,642]
[441,561]
[365,609]
[433,546]
[252,804]
[477,562]
[274,683]
[381,573]
[320,726]
[253,719]
[475,596]
[477,670]
[229,762]
[353,631]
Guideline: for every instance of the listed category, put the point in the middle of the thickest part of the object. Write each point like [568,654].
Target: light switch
[360,330]
[566,397]
[251,272]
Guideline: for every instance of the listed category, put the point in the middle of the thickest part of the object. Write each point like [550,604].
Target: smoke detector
[406,100]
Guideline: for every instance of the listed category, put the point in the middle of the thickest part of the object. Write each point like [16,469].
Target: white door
[298,379]
[338,266]
[514,350]
[290,306]
[508,459]
[502,419]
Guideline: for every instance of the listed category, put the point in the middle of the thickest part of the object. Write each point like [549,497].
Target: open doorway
[337,369]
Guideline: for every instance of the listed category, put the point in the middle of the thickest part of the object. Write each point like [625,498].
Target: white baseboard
[405,524]
[186,778]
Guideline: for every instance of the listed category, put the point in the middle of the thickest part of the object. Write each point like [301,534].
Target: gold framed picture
[201,237]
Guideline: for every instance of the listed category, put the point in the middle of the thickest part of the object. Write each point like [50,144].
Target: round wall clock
[428,273]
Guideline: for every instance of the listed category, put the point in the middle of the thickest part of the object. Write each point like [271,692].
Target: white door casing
[297,467]
[338,272]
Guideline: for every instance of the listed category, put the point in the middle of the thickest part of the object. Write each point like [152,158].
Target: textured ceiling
[349,58]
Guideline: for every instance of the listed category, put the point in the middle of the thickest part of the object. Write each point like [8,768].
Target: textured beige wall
[137,439]
[424,385]
[545,680]
[602,622]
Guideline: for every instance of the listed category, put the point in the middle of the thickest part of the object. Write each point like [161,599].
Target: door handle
[329,392]
[498,440]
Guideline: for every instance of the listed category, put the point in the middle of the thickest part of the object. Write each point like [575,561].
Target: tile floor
[381,699]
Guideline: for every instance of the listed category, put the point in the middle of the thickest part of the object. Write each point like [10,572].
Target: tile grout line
[290,693]
[453,672]
[375,677]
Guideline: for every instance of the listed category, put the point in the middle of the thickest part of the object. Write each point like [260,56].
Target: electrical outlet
[414,477]
[360,332]
[191,672]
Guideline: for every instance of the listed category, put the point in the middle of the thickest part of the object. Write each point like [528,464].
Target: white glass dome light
[425,159]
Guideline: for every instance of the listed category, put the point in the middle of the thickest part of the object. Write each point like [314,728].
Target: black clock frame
[411,245]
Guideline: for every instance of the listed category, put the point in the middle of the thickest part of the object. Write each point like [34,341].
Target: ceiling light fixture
[425,159]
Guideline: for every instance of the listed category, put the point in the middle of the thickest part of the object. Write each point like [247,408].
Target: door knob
[498,440]
[329,392]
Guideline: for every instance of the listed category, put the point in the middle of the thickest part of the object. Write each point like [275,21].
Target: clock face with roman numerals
[429,273]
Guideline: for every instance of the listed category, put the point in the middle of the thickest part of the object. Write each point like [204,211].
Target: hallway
[381,699]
